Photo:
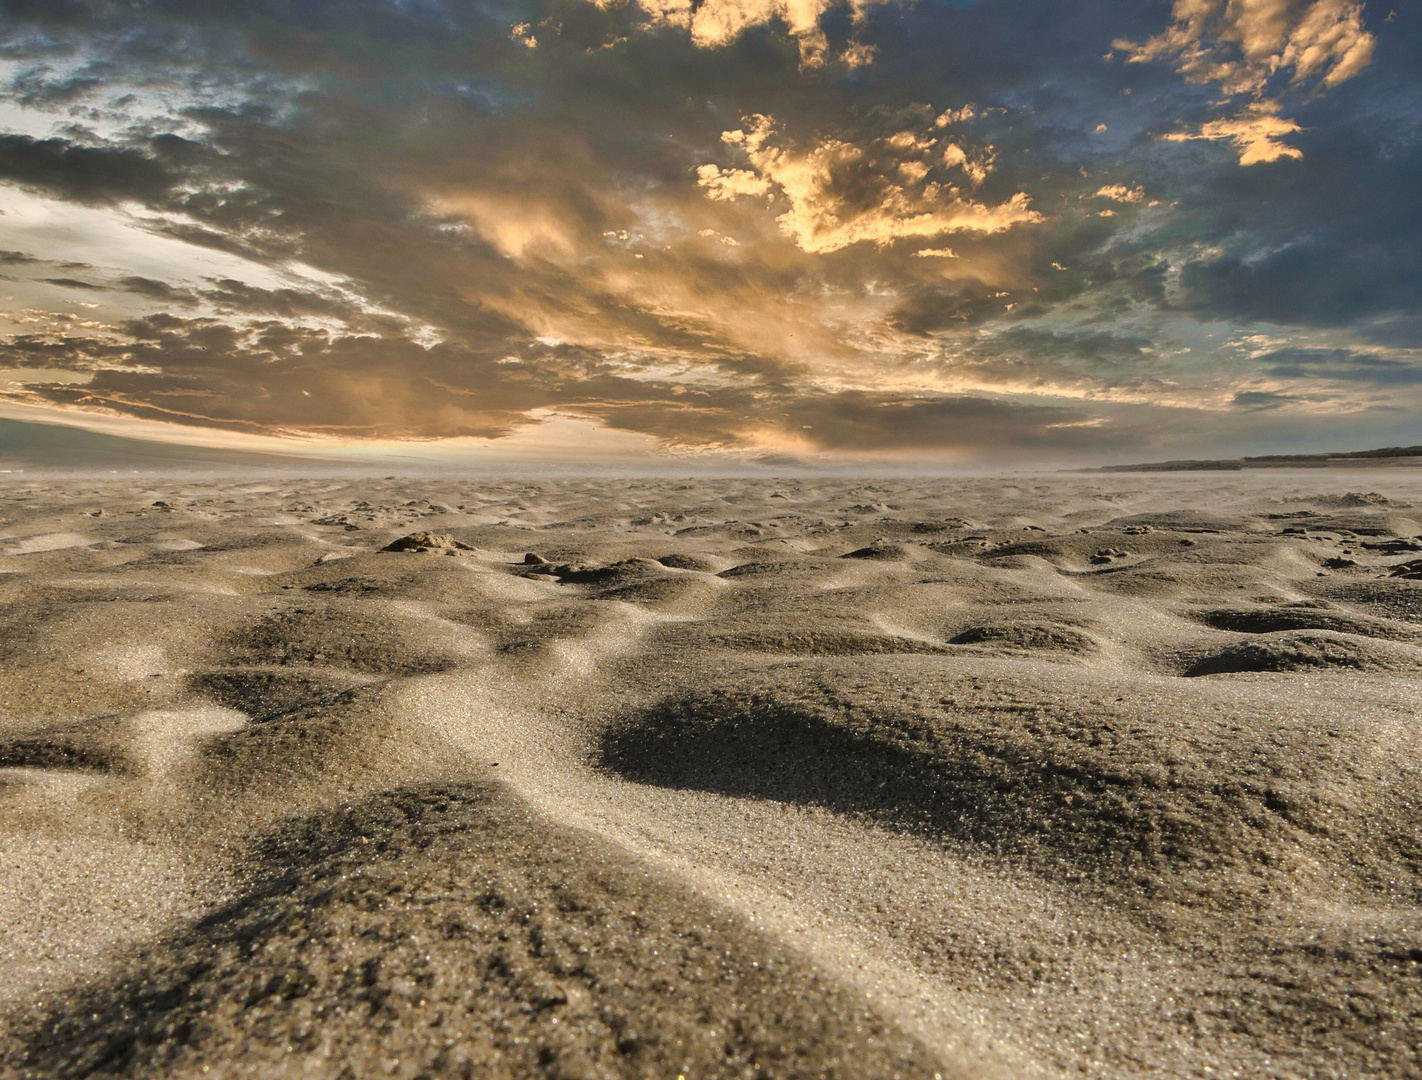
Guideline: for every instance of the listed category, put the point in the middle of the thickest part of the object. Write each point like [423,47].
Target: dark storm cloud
[1403,331]
[862,421]
[158,290]
[1341,364]
[1262,400]
[38,87]
[931,310]
[73,283]
[82,173]
[1100,347]
[1335,236]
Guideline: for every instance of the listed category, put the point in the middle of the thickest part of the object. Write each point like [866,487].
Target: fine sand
[1015,776]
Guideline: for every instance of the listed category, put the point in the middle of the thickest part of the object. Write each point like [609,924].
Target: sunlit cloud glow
[839,193]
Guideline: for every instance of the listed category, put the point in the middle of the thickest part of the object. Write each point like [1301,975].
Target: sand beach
[1036,775]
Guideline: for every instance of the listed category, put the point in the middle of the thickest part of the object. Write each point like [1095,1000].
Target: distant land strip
[1388,455]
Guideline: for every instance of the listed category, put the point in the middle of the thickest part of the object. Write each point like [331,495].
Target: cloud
[962,427]
[1120,193]
[435,229]
[1341,365]
[858,421]
[74,283]
[1244,47]
[199,372]
[83,173]
[1323,280]
[717,23]
[1262,400]
[1241,44]
[727,184]
[274,378]
[1255,131]
[1402,332]
[840,193]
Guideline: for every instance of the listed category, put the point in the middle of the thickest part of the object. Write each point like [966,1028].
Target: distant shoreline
[1390,456]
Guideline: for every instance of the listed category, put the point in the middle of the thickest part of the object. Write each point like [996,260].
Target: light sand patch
[31,545]
[164,738]
[127,662]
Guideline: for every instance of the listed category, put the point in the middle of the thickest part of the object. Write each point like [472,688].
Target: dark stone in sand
[686,562]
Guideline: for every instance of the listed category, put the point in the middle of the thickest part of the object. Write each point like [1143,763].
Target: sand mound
[443,932]
[1395,598]
[763,568]
[1048,637]
[603,575]
[881,552]
[1305,616]
[690,562]
[1303,650]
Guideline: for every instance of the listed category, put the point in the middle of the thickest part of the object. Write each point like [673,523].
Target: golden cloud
[1255,132]
[1121,193]
[840,193]
[1242,44]
[727,184]
[717,23]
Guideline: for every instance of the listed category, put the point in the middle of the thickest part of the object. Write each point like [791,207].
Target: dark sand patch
[804,641]
[90,745]
[272,693]
[336,634]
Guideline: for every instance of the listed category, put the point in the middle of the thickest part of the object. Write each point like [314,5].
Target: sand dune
[1105,775]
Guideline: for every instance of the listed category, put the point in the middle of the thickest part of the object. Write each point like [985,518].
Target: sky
[935,232]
